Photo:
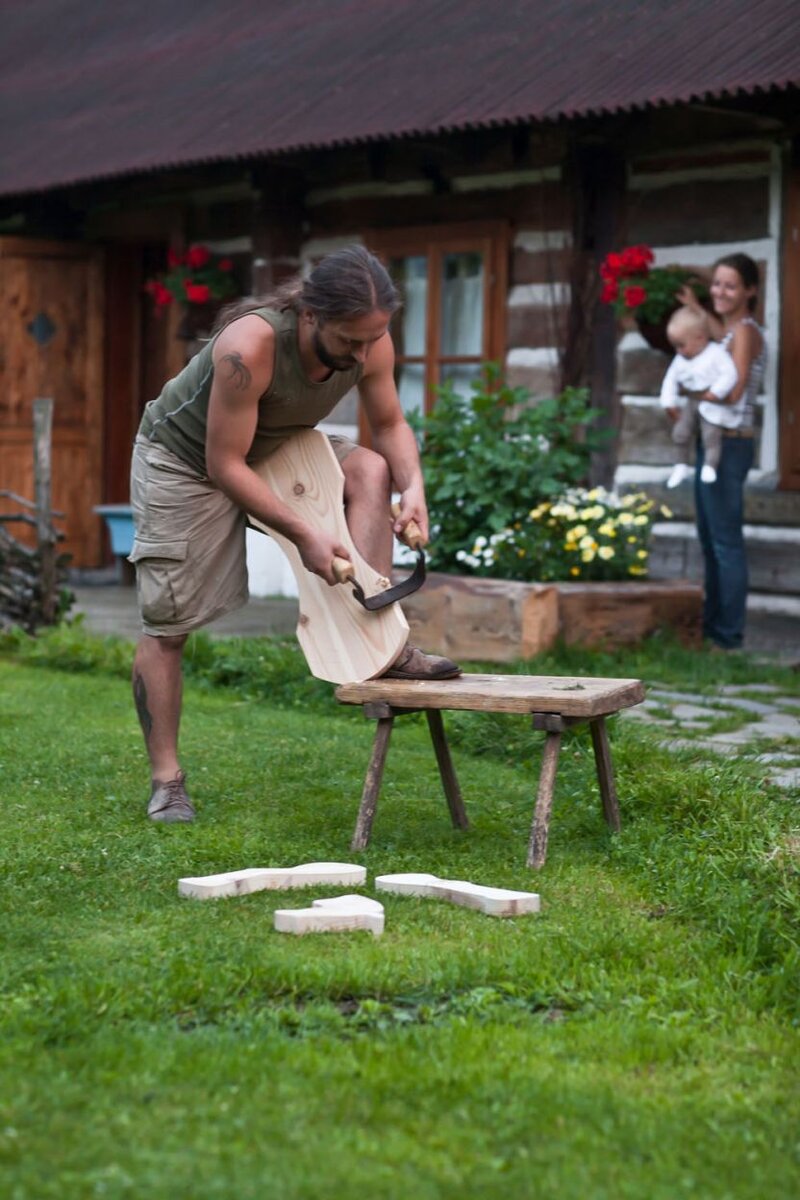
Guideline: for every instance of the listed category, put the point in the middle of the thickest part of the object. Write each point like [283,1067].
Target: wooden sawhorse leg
[537,848]
[605,772]
[458,814]
[385,715]
[372,783]
[554,725]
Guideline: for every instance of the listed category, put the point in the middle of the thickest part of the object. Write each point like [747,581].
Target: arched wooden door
[51,308]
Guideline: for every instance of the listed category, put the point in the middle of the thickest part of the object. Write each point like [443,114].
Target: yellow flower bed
[584,534]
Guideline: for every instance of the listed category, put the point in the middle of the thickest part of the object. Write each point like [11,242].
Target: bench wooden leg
[605,772]
[372,784]
[458,813]
[537,849]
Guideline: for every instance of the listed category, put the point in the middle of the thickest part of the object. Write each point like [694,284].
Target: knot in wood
[298,489]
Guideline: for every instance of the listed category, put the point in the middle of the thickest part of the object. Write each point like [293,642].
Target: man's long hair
[344,285]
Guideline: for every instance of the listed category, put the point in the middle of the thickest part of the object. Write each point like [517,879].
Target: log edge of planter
[496,620]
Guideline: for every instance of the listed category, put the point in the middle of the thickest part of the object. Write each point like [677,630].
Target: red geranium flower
[197,256]
[636,260]
[197,293]
[609,292]
[634,296]
[225,264]
[174,259]
[161,295]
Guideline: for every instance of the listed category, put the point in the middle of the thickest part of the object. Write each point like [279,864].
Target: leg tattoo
[140,700]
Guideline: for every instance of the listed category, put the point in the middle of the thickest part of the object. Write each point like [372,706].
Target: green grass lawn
[637,1039]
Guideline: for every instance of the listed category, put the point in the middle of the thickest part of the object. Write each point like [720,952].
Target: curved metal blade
[383,599]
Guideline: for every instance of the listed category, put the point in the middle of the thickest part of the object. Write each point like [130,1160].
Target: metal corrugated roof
[92,89]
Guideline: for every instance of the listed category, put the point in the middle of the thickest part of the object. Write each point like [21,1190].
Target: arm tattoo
[239,374]
[140,700]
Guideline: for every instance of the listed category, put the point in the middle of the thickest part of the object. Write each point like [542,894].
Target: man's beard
[327,359]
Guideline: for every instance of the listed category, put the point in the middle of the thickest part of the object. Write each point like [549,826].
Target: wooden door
[789,387]
[51,308]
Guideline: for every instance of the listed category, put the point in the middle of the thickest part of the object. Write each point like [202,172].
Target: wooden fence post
[42,479]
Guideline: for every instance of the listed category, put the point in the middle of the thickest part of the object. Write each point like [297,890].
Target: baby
[699,365]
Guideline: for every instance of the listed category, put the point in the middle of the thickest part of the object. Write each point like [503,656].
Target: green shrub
[489,458]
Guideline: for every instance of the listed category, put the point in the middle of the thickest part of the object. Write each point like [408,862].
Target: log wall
[691,206]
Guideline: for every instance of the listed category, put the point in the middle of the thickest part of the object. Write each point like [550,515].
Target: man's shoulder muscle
[244,354]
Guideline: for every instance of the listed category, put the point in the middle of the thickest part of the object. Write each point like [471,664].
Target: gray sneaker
[169,802]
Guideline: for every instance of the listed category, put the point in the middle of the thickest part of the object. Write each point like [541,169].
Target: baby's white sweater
[711,370]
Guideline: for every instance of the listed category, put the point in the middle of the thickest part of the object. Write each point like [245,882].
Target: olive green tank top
[177,419]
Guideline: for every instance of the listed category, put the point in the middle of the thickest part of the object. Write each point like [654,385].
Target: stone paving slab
[693,713]
[714,746]
[786,779]
[734,689]
[678,697]
[757,707]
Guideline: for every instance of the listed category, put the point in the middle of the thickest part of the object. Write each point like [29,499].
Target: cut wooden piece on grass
[342,642]
[259,879]
[494,902]
[337,915]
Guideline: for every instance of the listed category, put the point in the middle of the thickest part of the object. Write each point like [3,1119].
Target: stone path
[753,721]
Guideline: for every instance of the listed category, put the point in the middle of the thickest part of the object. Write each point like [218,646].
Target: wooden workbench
[554,704]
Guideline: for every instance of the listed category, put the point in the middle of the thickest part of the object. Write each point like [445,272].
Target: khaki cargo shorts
[189,544]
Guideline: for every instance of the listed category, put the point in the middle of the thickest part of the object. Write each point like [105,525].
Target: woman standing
[720,505]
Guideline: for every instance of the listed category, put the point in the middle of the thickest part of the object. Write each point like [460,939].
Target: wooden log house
[493,158]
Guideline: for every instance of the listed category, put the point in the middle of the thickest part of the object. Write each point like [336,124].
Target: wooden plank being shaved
[568,695]
[341,640]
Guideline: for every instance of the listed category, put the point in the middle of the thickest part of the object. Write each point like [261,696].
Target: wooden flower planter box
[497,620]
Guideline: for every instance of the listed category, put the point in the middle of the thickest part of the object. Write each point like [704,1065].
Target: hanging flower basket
[655,333]
[197,280]
[648,294]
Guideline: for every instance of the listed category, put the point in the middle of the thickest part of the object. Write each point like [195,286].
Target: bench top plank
[569,695]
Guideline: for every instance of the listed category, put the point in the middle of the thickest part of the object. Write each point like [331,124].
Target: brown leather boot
[415,664]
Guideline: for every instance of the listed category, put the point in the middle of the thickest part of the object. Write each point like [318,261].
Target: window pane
[460,375]
[408,326]
[462,304]
[411,386]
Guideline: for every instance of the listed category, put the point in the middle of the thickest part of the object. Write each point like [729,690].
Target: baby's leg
[711,437]
[682,434]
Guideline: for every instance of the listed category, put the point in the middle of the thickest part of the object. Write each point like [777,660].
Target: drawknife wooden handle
[412,534]
[343,570]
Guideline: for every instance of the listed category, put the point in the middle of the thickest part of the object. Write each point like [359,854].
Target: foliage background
[490,457]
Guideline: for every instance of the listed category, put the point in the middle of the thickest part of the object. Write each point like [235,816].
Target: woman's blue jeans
[720,520]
